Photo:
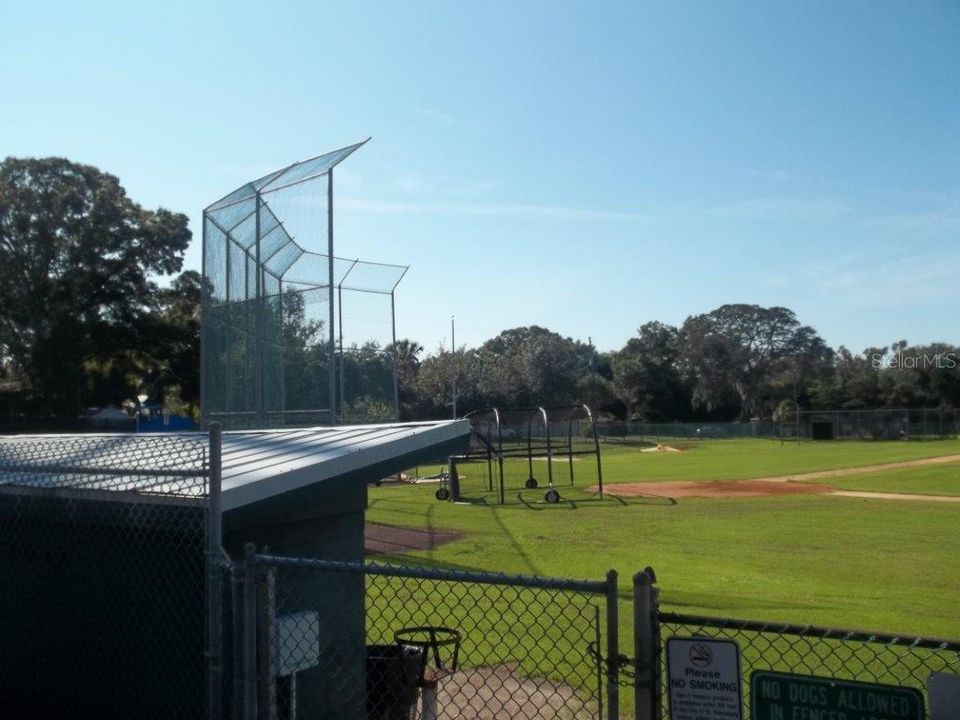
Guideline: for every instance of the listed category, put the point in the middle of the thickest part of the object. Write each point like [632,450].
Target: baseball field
[844,534]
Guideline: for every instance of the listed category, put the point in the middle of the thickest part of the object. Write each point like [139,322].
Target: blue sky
[587,167]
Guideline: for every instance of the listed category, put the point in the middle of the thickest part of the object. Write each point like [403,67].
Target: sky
[587,167]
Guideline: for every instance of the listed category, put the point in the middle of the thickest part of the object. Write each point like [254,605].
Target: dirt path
[714,488]
[896,496]
[862,470]
[782,485]
[391,539]
[488,693]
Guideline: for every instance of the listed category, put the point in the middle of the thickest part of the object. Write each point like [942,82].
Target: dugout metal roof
[257,465]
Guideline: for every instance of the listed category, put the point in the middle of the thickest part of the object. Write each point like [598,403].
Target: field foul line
[861,470]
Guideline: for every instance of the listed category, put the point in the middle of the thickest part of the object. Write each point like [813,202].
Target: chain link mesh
[105,549]
[837,654]
[360,637]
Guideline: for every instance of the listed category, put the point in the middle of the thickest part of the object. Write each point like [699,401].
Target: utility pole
[453,359]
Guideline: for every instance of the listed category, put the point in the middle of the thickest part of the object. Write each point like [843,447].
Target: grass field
[848,562]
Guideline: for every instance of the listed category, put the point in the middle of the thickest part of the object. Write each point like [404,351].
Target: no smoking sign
[704,679]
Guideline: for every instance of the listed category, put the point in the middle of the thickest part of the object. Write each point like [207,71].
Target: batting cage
[527,455]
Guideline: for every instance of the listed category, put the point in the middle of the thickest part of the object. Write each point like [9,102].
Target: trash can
[393,672]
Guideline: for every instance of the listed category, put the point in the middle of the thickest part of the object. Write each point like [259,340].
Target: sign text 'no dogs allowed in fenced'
[703,677]
[784,696]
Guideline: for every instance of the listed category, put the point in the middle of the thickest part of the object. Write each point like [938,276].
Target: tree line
[733,363]
[83,323]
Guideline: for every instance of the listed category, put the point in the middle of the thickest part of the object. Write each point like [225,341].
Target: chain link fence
[344,640]
[871,424]
[807,650]
[112,605]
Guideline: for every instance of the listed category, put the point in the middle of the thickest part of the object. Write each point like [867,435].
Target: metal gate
[773,648]
[328,639]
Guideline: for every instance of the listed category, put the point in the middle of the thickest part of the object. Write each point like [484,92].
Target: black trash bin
[393,672]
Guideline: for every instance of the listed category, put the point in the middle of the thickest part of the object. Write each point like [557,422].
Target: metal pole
[226,370]
[282,369]
[613,648]
[236,601]
[453,361]
[396,380]
[258,325]
[249,633]
[546,428]
[205,317]
[529,447]
[644,647]
[343,393]
[214,586]
[596,446]
[331,349]
[496,414]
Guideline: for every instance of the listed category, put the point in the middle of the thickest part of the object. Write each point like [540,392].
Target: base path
[713,488]
[895,496]
[861,470]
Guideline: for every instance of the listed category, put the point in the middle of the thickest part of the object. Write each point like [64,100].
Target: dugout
[116,602]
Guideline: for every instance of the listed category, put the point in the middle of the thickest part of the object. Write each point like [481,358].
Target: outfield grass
[874,564]
[745,459]
[739,459]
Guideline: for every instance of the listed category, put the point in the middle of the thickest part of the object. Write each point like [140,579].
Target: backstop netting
[278,333]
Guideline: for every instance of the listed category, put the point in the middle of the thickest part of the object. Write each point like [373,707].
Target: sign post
[703,678]
[784,696]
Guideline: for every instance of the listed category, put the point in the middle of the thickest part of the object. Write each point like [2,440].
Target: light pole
[453,361]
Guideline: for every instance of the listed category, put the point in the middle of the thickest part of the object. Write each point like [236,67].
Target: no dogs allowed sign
[704,679]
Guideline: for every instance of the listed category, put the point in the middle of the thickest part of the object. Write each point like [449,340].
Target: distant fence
[645,433]
[876,424]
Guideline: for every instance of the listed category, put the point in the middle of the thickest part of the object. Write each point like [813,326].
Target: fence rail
[878,658]
[437,643]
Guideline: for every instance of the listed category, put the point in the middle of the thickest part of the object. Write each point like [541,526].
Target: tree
[646,375]
[408,367]
[177,345]
[76,257]
[750,355]
[533,366]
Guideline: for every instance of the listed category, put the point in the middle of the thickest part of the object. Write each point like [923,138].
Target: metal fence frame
[246,302]
[95,469]
[650,631]
[250,616]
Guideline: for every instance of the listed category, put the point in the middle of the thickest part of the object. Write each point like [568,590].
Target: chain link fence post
[214,577]
[249,624]
[645,647]
[613,647]
[237,578]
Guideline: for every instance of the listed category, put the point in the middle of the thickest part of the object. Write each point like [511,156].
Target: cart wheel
[531,483]
[442,494]
[552,496]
